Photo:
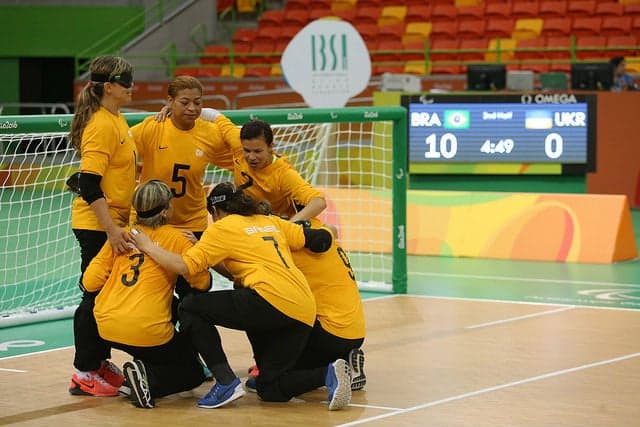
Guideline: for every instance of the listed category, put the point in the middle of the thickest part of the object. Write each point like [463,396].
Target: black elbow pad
[317,239]
[90,187]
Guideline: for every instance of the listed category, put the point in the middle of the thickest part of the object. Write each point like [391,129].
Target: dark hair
[182,83]
[233,200]
[616,60]
[255,128]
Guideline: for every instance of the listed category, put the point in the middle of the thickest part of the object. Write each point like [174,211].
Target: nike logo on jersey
[162,148]
[122,142]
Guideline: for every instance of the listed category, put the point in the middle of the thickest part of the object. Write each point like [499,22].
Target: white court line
[513,319]
[526,279]
[35,353]
[13,370]
[491,389]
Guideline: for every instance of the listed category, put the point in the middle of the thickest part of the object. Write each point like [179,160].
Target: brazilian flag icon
[456,119]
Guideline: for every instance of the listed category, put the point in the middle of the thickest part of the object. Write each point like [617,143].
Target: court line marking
[13,370]
[491,389]
[513,319]
[525,279]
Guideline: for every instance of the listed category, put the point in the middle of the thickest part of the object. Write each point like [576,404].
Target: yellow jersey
[134,303]
[256,250]
[107,149]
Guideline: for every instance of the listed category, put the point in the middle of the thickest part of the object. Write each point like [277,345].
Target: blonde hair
[182,83]
[149,200]
[90,96]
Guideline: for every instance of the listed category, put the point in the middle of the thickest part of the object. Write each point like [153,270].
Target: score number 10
[447,146]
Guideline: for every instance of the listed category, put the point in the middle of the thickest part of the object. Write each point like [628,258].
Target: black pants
[171,368]
[90,348]
[324,348]
[277,340]
[182,289]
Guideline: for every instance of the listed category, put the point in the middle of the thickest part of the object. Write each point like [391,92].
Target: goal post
[356,155]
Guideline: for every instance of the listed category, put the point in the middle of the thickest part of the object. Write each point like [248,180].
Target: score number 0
[447,146]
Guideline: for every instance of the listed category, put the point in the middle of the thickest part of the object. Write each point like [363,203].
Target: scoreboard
[501,129]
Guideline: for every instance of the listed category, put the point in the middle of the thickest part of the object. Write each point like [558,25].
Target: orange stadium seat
[369,3]
[367,31]
[348,15]
[531,49]
[499,28]
[298,18]
[616,25]
[471,28]
[338,5]
[556,27]
[392,15]
[625,45]
[317,13]
[414,50]
[560,46]
[257,71]
[243,35]
[632,9]
[475,49]
[586,26]
[444,12]
[271,19]
[368,14]
[582,8]
[552,9]
[590,43]
[219,52]
[609,9]
[418,13]
[268,33]
[259,52]
[444,50]
[471,12]
[391,32]
[388,51]
[498,10]
[444,29]
[525,9]
[447,69]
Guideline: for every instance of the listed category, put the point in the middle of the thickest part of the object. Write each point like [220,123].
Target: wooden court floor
[430,361]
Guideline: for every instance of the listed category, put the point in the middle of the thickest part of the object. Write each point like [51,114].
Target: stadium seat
[527,28]
[416,32]
[219,52]
[415,50]
[616,25]
[261,52]
[558,47]
[581,8]
[623,45]
[418,13]
[471,12]
[453,69]
[237,71]
[605,9]
[268,33]
[632,9]
[304,5]
[243,35]
[348,15]
[556,27]
[339,5]
[599,43]
[586,26]
[367,31]
[444,29]
[444,12]
[391,32]
[318,13]
[498,10]
[298,18]
[276,70]
[444,50]
[369,3]
[271,19]
[367,14]
[499,28]
[257,71]
[507,49]
[471,28]
[473,49]
[389,51]
[635,25]
[525,9]
[552,9]
[529,49]
[392,15]
[415,67]
[287,33]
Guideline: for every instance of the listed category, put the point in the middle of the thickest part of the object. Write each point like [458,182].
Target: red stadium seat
[471,28]
[471,12]
[556,27]
[581,8]
[219,54]
[499,28]
[271,19]
[552,9]
[418,13]
[444,12]
[588,26]
[444,29]
[525,9]
[498,10]
[625,45]
[616,25]
[439,50]
[473,49]
[604,9]
[590,43]
[367,14]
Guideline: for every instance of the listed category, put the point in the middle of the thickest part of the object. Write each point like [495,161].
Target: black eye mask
[125,79]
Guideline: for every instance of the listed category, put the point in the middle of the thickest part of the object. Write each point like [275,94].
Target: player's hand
[162,115]
[190,236]
[141,240]
[119,239]
[209,114]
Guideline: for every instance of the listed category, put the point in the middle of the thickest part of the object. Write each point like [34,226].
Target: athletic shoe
[250,385]
[91,384]
[111,373]
[356,362]
[220,394]
[338,382]
[136,375]
[253,371]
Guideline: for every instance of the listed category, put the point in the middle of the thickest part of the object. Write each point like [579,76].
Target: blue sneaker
[222,394]
[338,383]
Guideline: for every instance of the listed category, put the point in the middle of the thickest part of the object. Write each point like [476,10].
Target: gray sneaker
[356,361]
[338,383]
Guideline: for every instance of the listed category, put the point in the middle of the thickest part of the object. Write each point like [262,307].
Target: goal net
[356,155]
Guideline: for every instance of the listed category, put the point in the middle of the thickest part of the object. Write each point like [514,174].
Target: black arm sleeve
[317,239]
[90,187]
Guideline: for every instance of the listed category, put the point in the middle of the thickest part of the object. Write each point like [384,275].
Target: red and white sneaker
[111,373]
[91,384]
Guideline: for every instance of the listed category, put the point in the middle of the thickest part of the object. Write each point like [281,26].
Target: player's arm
[169,260]
[301,235]
[304,193]
[98,270]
